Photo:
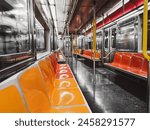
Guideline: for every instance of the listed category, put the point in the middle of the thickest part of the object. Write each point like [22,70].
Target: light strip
[54,15]
[52,2]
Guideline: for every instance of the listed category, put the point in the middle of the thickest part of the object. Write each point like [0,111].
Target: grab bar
[109,54]
[145,30]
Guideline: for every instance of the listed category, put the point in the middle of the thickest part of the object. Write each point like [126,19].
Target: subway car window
[113,38]
[99,40]
[148,45]
[15,36]
[40,42]
[126,36]
[106,39]
[14,33]
[148,34]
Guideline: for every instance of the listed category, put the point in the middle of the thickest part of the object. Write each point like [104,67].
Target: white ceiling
[59,10]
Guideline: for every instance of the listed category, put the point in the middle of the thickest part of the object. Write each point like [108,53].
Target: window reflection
[40,43]
[126,38]
[14,33]
[106,38]
[99,40]
[113,38]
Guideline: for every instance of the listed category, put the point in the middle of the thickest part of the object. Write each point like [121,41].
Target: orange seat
[144,70]
[117,59]
[74,109]
[56,73]
[61,65]
[67,83]
[136,64]
[60,95]
[125,61]
[77,51]
[11,100]
[64,76]
[97,55]
[49,74]
[130,62]
[35,90]
[63,97]
[63,71]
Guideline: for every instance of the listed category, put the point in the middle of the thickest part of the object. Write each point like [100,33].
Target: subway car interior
[74,56]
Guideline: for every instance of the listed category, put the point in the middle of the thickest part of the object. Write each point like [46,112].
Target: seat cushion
[64,76]
[75,109]
[11,100]
[67,83]
[66,97]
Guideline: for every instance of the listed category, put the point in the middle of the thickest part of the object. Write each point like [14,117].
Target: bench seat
[133,63]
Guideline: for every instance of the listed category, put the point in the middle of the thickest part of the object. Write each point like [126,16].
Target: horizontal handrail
[109,54]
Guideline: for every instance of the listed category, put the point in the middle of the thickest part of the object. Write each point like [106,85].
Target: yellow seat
[34,90]
[73,109]
[11,101]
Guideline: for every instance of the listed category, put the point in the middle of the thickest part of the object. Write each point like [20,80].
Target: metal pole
[123,6]
[65,44]
[68,41]
[76,57]
[145,53]
[148,89]
[94,39]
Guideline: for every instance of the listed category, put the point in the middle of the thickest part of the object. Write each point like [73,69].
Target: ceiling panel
[62,8]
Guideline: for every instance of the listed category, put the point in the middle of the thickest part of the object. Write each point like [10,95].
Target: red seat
[130,62]
[136,64]
[117,59]
[125,61]
[89,54]
[144,70]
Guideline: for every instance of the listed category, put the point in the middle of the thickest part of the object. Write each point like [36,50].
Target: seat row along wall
[89,54]
[46,86]
[134,63]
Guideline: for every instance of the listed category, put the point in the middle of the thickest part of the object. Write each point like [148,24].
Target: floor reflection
[111,92]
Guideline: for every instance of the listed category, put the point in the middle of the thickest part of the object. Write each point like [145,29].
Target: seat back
[98,55]
[117,57]
[53,60]
[145,66]
[126,60]
[46,74]
[50,66]
[88,53]
[11,100]
[136,62]
[34,90]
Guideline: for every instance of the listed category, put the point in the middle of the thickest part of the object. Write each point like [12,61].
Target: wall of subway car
[21,36]
[123,34]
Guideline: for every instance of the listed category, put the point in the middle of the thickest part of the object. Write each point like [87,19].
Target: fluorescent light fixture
[53,10]
[52,2]
[42,2]
[45,10]
[117,6]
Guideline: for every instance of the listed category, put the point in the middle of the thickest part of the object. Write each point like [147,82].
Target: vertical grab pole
[68,43]
[76,57]
[94,38]
[145,31]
